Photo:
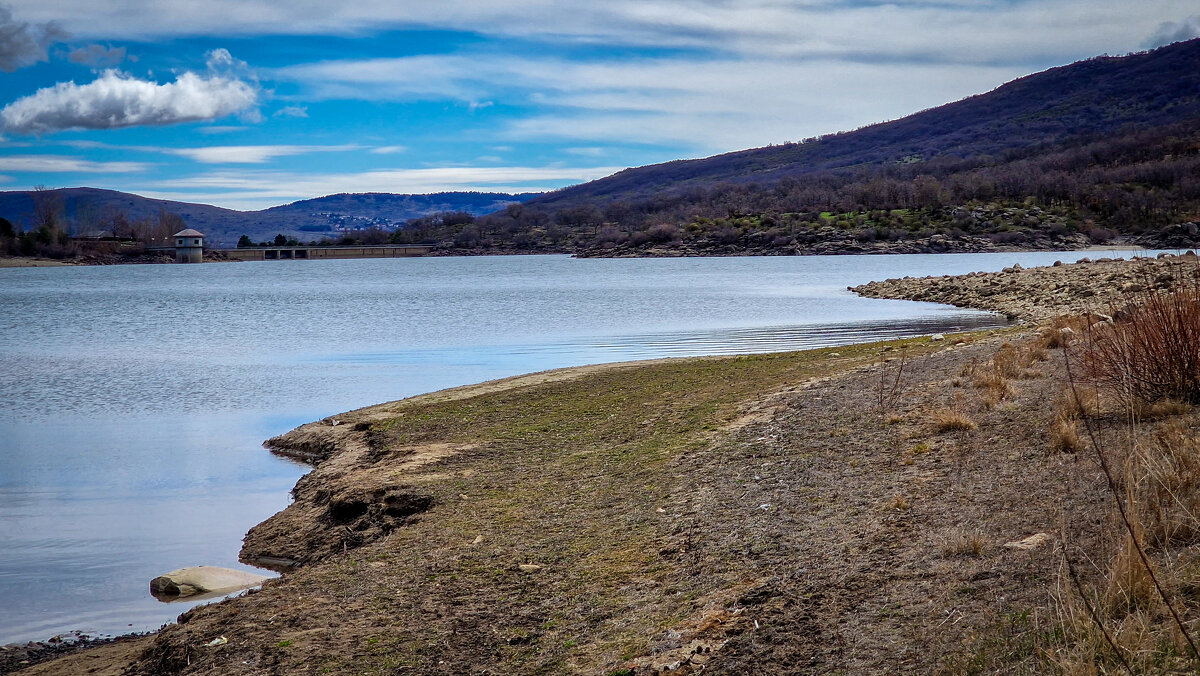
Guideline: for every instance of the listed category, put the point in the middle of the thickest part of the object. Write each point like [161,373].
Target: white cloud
[116,99]
[292,111]
[388,150]
[251,154]
[974,31]
[24,44]
[708,104]
[63,164]
[249,189]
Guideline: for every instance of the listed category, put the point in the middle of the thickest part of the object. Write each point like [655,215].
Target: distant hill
[307,219]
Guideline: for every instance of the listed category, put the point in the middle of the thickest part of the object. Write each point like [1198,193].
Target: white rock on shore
[196,580]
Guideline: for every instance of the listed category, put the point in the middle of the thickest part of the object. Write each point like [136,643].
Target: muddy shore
[790,513]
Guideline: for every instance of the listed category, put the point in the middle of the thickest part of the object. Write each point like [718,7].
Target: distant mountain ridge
[305,219]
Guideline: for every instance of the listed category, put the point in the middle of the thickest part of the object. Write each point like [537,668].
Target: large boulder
[206,580]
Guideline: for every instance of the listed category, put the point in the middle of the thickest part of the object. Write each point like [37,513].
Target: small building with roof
[189,246]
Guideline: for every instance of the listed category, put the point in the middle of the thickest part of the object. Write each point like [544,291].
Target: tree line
[51,234]
[1135,182]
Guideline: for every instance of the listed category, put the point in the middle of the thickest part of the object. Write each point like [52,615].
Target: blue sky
[252,103]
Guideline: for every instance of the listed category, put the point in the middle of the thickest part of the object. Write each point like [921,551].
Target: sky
[248,104]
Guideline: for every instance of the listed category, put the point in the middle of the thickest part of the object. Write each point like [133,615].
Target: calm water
[134,399]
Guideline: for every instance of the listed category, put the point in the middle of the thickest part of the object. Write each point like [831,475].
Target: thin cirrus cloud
[955,30]
[708,104]
[252,154]
[258,189]
[65,164]
[116,99]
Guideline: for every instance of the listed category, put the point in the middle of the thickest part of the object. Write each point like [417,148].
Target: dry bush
[1064,435]
[1008,361]
[1129,585]
[1163,408]
[996,387]
[962,543]
[1166,481]
[1076,402]
[952,420]
[1153,352]
[1054,336]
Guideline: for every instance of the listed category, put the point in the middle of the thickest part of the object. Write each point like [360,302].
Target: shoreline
[359,455]
[652,252]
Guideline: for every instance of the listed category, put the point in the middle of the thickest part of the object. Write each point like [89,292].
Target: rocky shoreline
[1043,293]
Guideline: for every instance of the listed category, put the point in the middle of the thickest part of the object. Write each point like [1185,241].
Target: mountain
[93,208]
[1091,98]
[1080,154]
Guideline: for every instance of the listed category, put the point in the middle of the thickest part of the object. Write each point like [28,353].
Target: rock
[937,336]
[1030,543]
[529,567]
[203,580]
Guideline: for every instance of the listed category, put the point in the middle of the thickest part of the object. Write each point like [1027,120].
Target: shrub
[950,420]
[1153,351]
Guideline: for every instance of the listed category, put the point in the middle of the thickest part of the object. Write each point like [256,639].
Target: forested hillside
[1074,155]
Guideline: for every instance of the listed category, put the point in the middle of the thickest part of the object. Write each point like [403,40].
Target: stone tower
[189,246]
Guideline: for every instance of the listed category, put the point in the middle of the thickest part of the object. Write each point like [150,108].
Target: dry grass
[962,543]
[1076,402]
[1064,435]
[1158,410]
[1165,476]
[1129,585]
[952,420]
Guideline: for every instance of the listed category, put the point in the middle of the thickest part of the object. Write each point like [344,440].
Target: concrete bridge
[284,253]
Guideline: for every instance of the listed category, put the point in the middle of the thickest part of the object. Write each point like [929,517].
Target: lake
[134,399]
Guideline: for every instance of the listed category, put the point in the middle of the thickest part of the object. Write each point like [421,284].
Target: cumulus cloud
[117,99]
[97,56]
[1175,31]
[23,44]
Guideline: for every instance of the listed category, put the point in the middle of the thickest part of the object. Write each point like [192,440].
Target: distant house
[189,246]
